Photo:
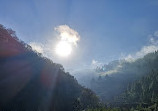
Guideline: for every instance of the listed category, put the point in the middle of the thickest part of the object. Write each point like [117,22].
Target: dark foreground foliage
[30,82]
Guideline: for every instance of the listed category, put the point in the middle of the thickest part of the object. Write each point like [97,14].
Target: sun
[63,49]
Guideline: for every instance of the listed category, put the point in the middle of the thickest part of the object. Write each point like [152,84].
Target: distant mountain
[139,95]
[84,76]
[116,76]
[107,67]
[30,82]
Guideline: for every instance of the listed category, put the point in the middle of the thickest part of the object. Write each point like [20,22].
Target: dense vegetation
[140,95]
[143,92]
[116,76]
[30,82]
[129,85]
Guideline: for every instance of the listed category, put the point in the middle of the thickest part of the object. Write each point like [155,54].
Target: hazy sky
[108,29]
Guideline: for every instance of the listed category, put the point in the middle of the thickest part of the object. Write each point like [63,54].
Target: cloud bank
[152,47]
[96,63]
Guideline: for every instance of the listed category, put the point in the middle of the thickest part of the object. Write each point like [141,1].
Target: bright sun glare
[63,49]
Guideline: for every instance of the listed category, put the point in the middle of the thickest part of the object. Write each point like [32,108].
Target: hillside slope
[143,92]
[30,82]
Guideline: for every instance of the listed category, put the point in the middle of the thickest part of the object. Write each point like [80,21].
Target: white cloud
[153,46]
[129,58]
[154,38]
[111,71]
[156,34]
[146,49]
[37,47]
[67,34]
[96,63]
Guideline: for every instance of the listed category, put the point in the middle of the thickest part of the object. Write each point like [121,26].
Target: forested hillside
[31,82]
[142,92]
[140,95]
[116,76]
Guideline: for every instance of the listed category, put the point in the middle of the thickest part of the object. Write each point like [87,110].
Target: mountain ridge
[31,82]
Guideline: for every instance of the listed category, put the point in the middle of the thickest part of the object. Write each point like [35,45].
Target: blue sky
[107,28]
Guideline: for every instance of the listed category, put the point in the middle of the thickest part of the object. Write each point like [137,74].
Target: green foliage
[143,90]
[141,94]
